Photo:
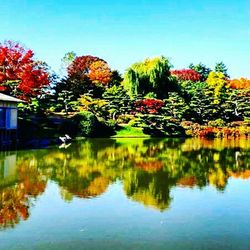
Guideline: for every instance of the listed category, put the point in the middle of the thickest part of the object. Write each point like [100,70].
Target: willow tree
[151,76]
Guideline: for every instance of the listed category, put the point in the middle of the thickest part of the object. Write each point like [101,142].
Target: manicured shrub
[88,123]
[149,106]
[216,123]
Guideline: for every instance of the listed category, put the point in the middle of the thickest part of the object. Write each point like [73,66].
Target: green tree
[68,58]
[236,105]
[151,75]
[202,69]
[221,68]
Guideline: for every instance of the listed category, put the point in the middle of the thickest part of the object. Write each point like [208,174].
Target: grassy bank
[126,131]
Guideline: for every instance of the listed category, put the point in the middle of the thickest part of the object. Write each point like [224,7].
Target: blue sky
[123,32]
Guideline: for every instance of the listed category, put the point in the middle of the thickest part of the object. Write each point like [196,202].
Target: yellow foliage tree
[217,81]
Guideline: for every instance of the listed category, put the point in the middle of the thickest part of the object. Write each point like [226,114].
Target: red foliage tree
[149,106]
[20,74]
[92,68]
[186,75]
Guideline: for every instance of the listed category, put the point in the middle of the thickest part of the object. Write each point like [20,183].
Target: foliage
[100,73]
[201,106]
[242,83]
[86,75]
[218,81]
[150,97]
[236,105]
[160,126]
[88,123]
[151,75]
[20,74]
[176,107]
[149,106]
[91,126]
[217,123]
[66,61]
[118,101]
[90,67]
[201,69]
[186,75]
[116,79]
[96,106]
[221,68]
[217,129]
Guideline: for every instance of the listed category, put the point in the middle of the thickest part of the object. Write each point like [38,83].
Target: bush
[148,106]
[111,124]
[124,119]
[88,123]
[90,126]
[216,123]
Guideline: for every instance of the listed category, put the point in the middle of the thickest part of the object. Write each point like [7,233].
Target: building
[8,119]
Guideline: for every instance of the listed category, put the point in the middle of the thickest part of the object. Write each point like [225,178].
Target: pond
[127,194]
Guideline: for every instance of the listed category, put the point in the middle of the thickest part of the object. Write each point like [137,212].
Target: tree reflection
[147,169]
[17,188]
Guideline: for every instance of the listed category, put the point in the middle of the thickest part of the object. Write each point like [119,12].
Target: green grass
[126,131]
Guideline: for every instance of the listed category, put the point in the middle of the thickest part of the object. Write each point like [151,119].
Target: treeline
[151,96]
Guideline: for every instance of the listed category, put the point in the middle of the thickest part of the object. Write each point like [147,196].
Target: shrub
[124,119]
[111,125]
[88,123]
[216,123]
[208,132]
[149,106]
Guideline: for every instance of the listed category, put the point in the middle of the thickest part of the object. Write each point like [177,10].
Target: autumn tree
[186,75]
[217,81]
[99,72]
[92,68]
[20,74]
[242,83]
[150,76]
[85,73]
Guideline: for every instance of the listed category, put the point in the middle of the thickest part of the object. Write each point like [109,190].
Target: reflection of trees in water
[16,199]
[148,169]
[149,189]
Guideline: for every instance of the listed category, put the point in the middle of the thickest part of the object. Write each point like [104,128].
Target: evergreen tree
[202,69]
[221,68]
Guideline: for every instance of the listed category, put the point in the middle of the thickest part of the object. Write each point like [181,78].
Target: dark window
[2,117]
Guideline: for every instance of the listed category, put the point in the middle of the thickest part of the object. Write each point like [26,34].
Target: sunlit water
[127,194]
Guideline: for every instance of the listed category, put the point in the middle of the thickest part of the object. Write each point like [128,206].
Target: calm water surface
[127,194]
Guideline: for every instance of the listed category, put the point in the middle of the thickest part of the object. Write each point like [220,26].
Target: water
[127,194]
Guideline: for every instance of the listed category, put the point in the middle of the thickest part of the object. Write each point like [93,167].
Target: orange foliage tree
[100,72]
[90,68]
[242,83]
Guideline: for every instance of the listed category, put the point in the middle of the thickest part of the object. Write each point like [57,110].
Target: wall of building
[8,123]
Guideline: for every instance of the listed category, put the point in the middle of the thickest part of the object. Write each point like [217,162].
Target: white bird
[65,138]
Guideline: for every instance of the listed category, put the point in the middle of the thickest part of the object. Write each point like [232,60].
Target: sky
[126,31]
